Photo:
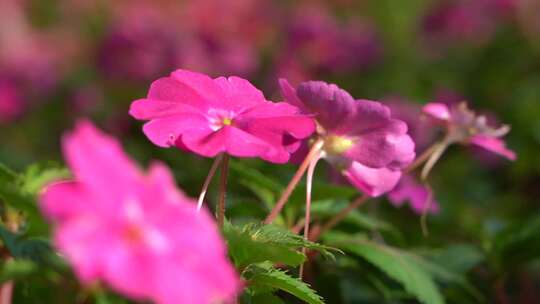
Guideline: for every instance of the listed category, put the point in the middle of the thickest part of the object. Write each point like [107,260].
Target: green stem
[220,210]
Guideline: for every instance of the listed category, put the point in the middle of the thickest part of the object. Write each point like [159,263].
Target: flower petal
[372,182]
[494,145]
[437,110]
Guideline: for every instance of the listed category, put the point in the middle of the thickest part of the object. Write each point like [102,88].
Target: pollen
[334,144]
[227,121]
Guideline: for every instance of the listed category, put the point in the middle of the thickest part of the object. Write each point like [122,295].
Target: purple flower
[360,138]
[466,127]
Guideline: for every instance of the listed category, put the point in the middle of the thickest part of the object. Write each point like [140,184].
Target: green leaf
[328,208]
[279,279]
[37,176]
[259,243]
[443,272]
[397,264]
[519,243]
[13,269]
[20,247]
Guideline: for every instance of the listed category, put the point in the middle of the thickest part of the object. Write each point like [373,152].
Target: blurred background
[61,60]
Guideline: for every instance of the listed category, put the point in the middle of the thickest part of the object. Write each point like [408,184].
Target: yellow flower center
[334,144]
[227,121]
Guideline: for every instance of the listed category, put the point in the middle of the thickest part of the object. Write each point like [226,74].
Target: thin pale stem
[220,210]
[6,292]
[315,149]
[207,181]
[422,158]
[423,218]
[341,215]
[309,184]
[433,158]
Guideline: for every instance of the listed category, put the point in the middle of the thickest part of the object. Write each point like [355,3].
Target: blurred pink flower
[310,45]
[360,138]
[136,232]
[211,116]
[419,129]
[470,21]
[417,195]
[465,126]
[11,104]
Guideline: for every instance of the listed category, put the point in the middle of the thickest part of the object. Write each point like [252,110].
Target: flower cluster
[140,235]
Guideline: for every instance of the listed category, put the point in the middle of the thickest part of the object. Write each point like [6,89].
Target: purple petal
[331,105]
[372,182]
[387,146]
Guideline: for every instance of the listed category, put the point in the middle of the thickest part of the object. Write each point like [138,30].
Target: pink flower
[417,195]
[360,138]
[135,232]
[223,115]
[465,126]
[11,103]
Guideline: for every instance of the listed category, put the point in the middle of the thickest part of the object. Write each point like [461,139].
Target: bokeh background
[61,60]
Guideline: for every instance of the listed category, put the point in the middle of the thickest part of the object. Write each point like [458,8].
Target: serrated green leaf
[279,279]
[258,243]
[397,264]
[244,249]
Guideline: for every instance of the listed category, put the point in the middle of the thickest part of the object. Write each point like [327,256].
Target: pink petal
[239,94]
[201,84]
[494,145]
[408,190]
[437,110]
[373,182]
[280,118]
[179,90]
[164,132]
[62,200]
[98,160]
[145,109]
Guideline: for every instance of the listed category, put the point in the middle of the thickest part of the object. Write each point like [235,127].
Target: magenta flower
[417,195]
[223,115]
[135,232]
[466,127]
[11,103]
[360,138]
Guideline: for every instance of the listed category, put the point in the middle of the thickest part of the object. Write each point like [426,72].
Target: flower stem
[315,150]
[309,184]
[220,210]
[207,181]
[6,292]
[341,215]
[422,158]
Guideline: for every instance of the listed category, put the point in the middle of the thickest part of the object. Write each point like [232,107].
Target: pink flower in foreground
[465,126]
[417,195]
[360,138]
[223,115]
[136,232]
